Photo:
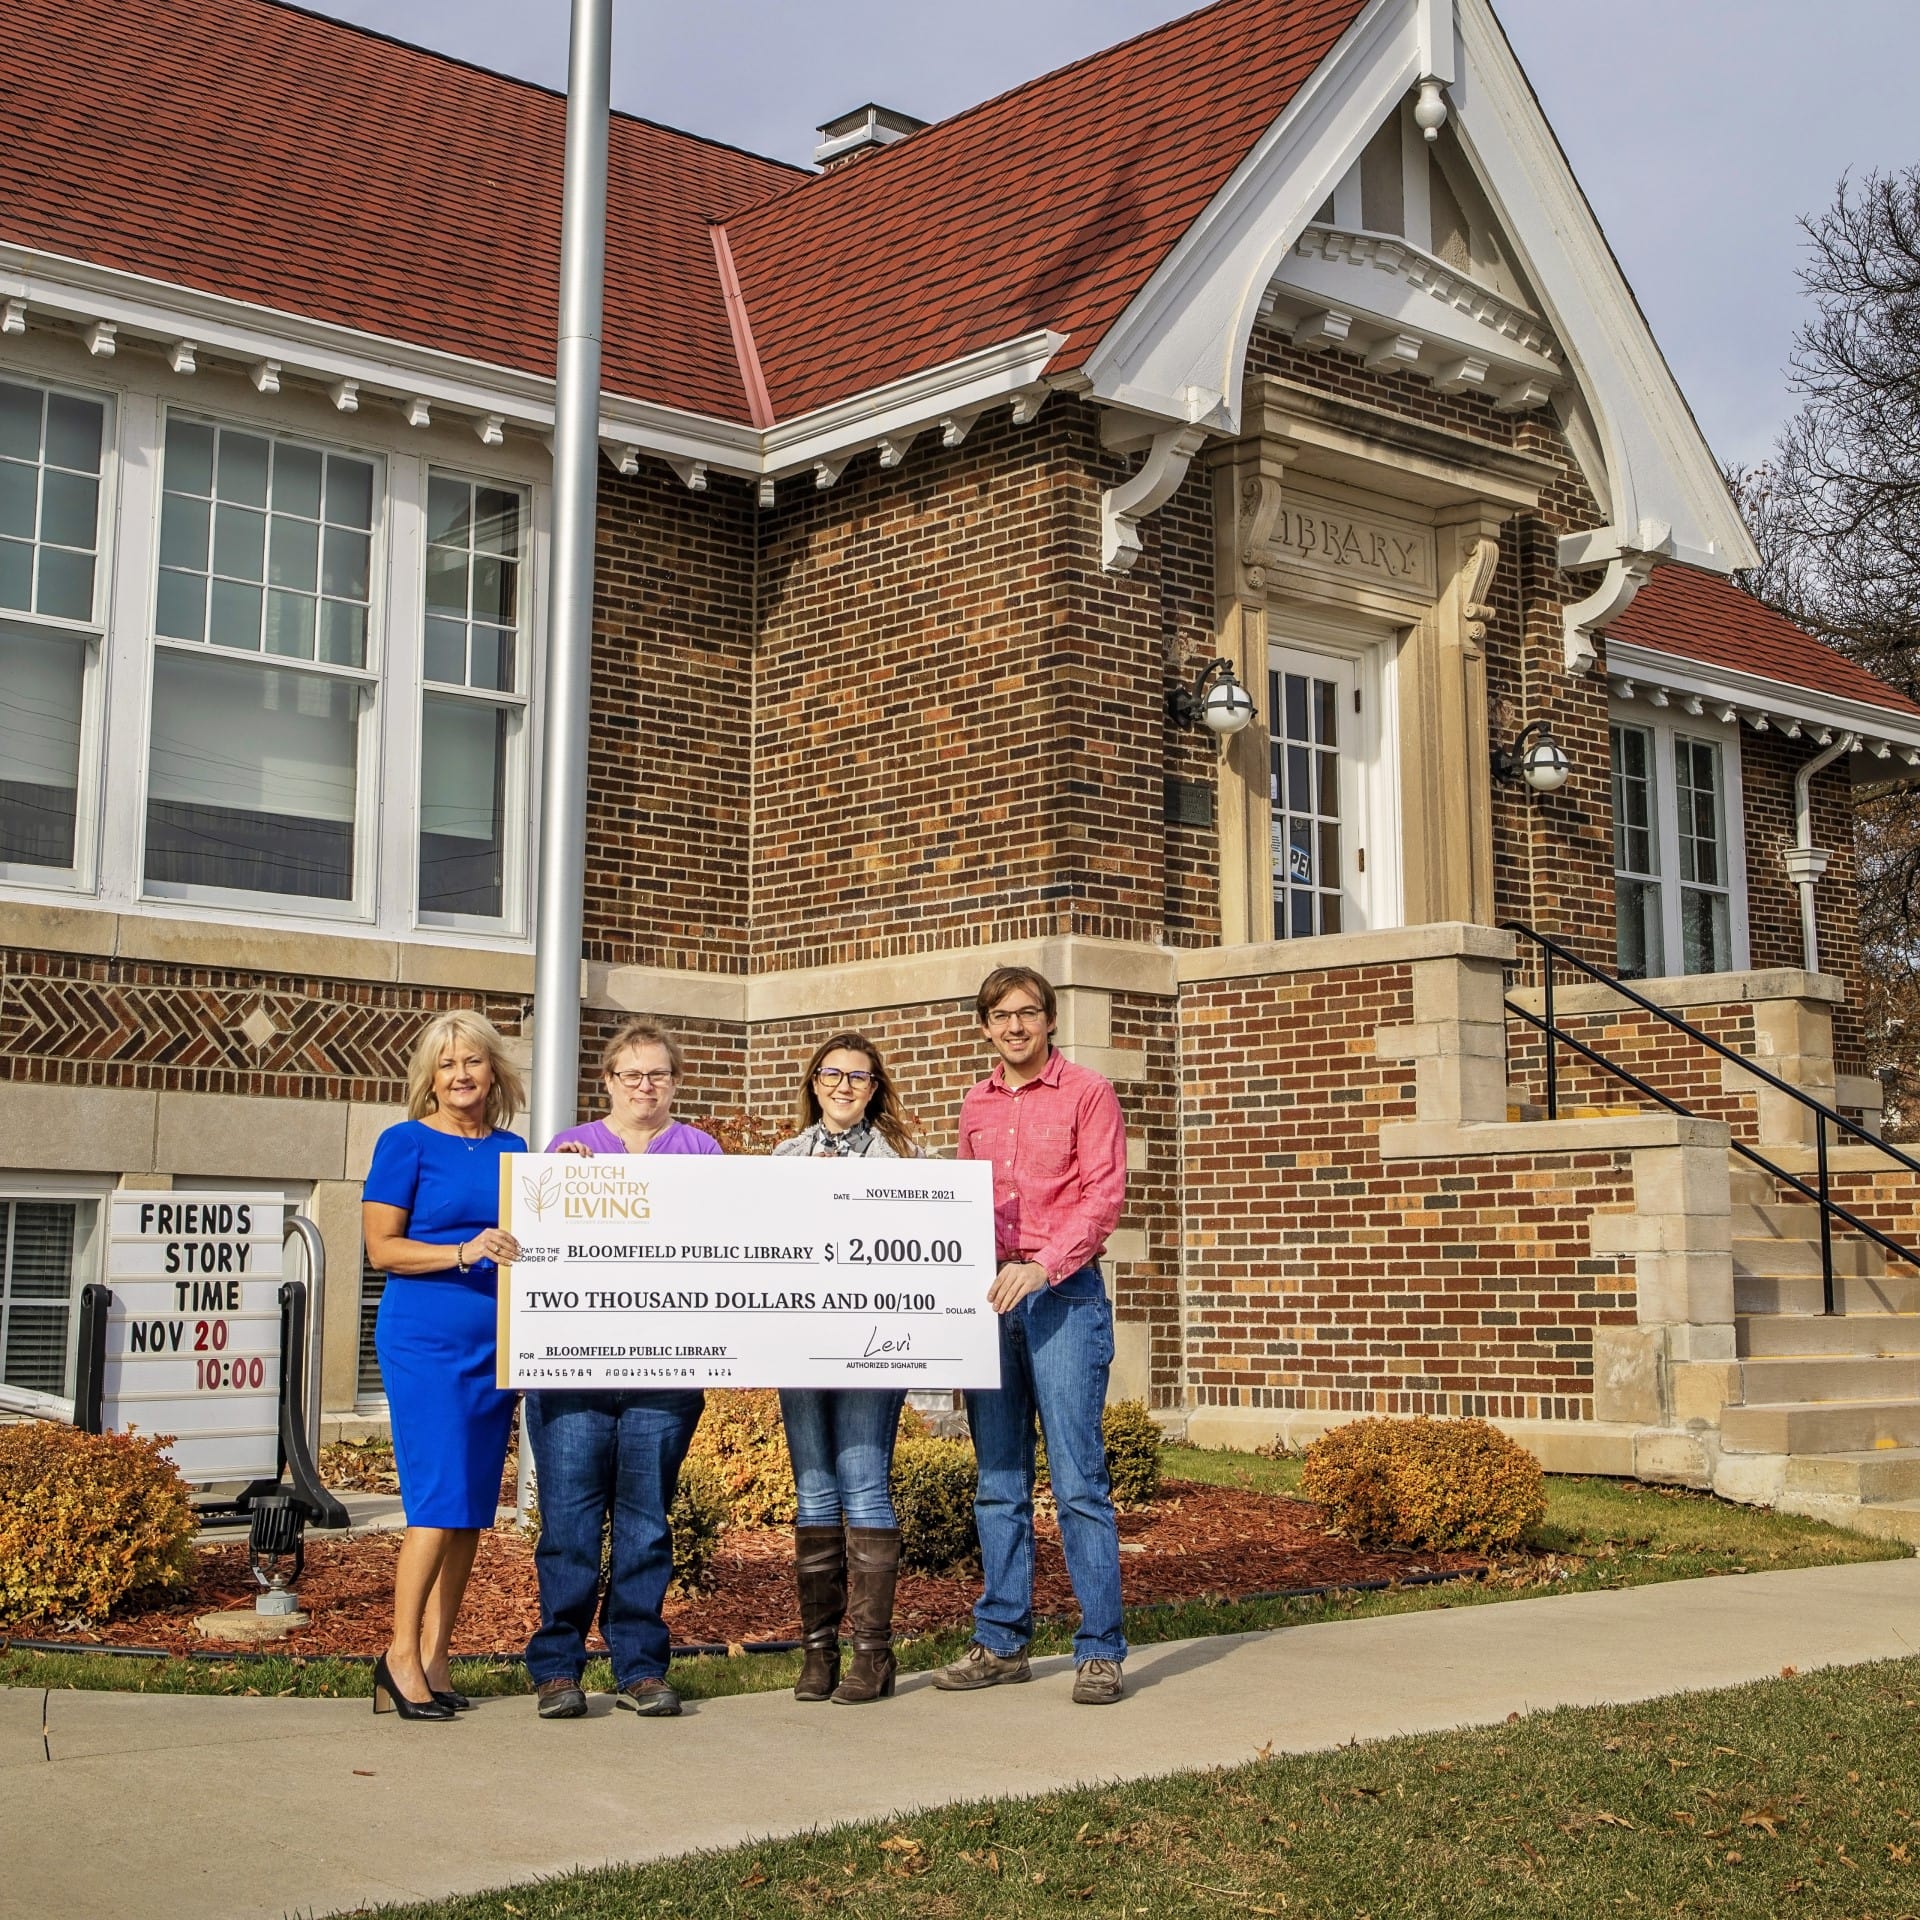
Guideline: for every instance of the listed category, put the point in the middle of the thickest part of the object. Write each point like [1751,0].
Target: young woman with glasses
[613,1456]
[846,1541]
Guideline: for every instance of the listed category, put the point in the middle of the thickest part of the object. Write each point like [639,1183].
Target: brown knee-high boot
[873,1565]
[820,1573]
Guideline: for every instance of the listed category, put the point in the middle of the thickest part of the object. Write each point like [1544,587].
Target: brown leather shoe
[650,1696]
[980,1667]
[1097,1683]
[559,1699]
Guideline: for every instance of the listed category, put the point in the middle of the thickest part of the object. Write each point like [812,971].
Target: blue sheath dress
[436,1332]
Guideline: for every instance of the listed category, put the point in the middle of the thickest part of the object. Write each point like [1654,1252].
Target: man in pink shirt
[1059,1150]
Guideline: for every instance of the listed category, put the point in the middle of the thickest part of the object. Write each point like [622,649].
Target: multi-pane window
[1305,791]
[1636,856]
[1672,857]
[1706,910]
[42,1246]
[262,614]
[52,453]
[473,708]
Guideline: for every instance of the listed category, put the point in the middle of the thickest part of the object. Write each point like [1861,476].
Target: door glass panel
[1305,783]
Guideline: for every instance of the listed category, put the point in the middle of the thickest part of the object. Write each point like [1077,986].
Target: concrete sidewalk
[192,1809]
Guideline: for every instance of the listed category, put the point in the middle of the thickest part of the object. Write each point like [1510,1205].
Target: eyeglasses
[631,1079]
[1015,1016]
[856,1081]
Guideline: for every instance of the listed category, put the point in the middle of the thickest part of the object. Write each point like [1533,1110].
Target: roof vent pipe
[1806,862]
[865,130]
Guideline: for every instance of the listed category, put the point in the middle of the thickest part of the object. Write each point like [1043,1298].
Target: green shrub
[1133,1442]
[740,1439]
[933,1482]
[698,1519]
[1424,1483]
[86,1520]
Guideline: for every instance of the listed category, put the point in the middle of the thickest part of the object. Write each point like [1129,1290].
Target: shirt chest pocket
[1045,1148]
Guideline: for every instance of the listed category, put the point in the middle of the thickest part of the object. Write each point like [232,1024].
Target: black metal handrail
[1830,1209]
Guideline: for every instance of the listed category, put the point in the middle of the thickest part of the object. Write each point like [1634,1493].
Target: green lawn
[1797,1796]
[1597,1534]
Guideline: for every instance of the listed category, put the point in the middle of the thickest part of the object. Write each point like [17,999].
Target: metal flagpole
[576,456]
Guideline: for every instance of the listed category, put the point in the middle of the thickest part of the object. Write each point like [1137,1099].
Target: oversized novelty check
[644,1271]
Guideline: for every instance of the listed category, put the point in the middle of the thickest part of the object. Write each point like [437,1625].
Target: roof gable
[1047,207]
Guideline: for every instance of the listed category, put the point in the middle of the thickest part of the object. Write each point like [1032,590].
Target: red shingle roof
[247,149]
[251,150]
[1048,207]
[1703,616]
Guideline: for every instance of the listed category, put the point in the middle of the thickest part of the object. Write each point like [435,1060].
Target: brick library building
[1211,523]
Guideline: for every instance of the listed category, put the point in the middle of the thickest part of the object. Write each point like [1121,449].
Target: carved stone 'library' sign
[1331,539]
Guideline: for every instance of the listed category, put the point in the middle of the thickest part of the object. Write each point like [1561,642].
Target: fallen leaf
[1264,1753]
[757,1878]
[1511,1718]
[1853,1779]
[1789,1673]
[1765,1818]
[1683,1816]
[901,1843]
[736,1649]
[1612,1820]
[1899,1855]
[363,1773]
[1733,1859]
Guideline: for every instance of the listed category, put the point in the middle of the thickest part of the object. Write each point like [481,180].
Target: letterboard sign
[193,1336]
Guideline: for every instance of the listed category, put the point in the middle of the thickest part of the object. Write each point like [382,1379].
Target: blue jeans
[1055,1349]
[598,1454]
[842,1448]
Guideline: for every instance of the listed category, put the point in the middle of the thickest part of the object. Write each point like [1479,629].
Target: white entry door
[1317,758]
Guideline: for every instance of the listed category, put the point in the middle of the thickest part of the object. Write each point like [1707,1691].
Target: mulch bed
[1194,1542]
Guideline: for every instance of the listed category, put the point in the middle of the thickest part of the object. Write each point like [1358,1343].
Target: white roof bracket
[1123,507]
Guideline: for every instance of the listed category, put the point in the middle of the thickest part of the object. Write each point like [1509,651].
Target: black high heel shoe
[387,1698]
[452,1699]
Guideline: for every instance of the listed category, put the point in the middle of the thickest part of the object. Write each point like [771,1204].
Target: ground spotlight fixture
[1535,757]
[1216,700]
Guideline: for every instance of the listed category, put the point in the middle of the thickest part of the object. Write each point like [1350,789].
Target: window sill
[170,940]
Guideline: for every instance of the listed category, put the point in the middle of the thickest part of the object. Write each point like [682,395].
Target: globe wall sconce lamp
[1216,700]
[1535,757]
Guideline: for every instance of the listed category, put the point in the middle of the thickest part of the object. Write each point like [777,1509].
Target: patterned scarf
[841,1146]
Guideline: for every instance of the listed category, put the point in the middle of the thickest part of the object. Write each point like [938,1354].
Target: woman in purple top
[617,1455]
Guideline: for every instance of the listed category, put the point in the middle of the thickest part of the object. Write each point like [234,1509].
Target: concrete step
[1781,1259]
[1841,1426]
[1771,1220]
[1747,1185]
[1764,1336]
[1792,1294]
[1886,1520]
[1828,1378]
[1885,1473]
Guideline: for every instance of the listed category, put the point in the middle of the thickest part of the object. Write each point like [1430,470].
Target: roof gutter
[1806,862]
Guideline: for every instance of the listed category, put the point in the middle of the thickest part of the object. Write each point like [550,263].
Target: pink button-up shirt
[1059,1152]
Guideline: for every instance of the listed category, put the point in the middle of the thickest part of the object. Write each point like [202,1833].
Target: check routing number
[641,1271]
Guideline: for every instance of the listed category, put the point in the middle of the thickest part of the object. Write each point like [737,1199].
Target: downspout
[1806,862]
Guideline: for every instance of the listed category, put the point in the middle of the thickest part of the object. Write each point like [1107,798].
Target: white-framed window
[264,669]
[285,675]
[1679,854]
[49,1249]
[473,702]
[55,477]
[1331,790]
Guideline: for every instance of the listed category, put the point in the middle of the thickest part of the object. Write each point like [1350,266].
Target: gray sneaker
[651,1696]
[981,1667]
[1097,1683]
[559,1699]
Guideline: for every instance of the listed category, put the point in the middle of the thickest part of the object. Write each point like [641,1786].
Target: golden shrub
[741,1442]
[1425,1483]
[932,1489]
[697,1520]
[87,1519]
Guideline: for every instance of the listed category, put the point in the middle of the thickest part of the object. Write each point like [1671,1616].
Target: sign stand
[277,1508]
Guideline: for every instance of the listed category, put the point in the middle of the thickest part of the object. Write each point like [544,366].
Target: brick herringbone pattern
[107,1023]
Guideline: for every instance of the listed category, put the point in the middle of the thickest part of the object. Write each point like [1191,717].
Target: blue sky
[1701,129]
